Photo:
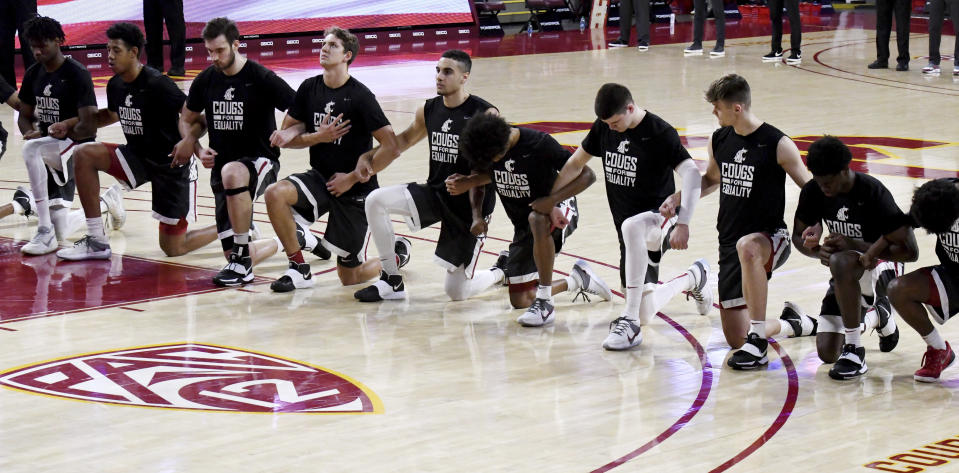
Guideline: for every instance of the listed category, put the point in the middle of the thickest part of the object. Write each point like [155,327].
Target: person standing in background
[884,12]
[155,12]
[13,14]
[627,8]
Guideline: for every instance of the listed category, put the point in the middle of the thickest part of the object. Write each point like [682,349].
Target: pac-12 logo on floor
[196,376]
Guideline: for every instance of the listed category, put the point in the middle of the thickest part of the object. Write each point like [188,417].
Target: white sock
[17,208]
[853,337]
[380,204]
[934,339]
[544,292]
[635,230]
[95,228]
[66,222]
[241,238]
[653,301]
[572,284]
[872,319]
[786,329]
[758,327]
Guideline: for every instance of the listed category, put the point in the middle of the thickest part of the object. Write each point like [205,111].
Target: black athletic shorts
[346,235]
[174,189]
[731,272]
[263,172]
[521,267]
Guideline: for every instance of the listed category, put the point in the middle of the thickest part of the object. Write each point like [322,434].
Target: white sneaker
[297,276]
[44,242]
[113,198]
[623,335]
[85,248]
[589,282]
[387,288]
[703,296]
[539,313]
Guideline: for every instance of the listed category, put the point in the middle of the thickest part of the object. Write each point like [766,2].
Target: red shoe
[933,362]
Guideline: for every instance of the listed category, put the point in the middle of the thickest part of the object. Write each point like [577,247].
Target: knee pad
[236,190]
[830,324]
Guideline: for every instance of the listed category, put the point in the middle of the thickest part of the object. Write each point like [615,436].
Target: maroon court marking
[704,389]
[791,395]
[132,308]
[844,71]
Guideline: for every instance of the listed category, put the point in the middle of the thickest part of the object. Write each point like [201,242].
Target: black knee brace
[236,190]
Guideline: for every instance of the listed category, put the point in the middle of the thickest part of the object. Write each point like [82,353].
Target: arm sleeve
[299,107]
[282,92]
[593,143]
[196,100]
[692,183]
[85,95]
[808,203]
[6,90]
[889,216]
[373,114]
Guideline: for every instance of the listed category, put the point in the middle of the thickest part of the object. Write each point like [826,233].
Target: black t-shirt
[6,90]
[947,245]
[752,192]
[239,111]
[149,108]
[57,96]
[315,101]
[638,164]
[443,126]
[865,213]
[527,172]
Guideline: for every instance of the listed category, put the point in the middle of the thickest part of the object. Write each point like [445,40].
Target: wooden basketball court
[433,385]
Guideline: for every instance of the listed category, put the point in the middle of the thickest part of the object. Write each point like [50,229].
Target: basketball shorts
[263,172]
[943,302]
[731,272]
[456,246]
[347,235]
[174,188]
[521,267]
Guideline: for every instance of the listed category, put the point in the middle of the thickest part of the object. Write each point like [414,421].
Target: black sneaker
[23,197]
[297,276]
[619,44]
[387,288]
[643,46]
[851,364]
[500,264]
[794,317]
[311,243]
[877,64]
[402,247]
[795,58]
[887,325]
[3,140]
[751,356]
[773,56]
[237,272]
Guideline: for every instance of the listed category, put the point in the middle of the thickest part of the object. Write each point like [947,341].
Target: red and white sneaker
[933,363]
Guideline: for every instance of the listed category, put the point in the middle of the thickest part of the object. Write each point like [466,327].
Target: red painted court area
[44,285]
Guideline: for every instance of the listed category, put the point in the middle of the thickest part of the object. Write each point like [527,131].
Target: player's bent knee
[844,265]
[172,238]
[751,248]
[234,174]
[278,193]
[457,286]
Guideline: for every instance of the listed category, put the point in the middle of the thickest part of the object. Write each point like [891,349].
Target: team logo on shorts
[740,156]
[446,125]
[196,376]
[623,146]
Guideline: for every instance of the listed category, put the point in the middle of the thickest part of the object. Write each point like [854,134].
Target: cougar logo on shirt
[737,178]
[740,156]
[128,101]
[843,214]
[46,90]
[510,184]
[227,114]
[444,146]
[623,146]
[328,109]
